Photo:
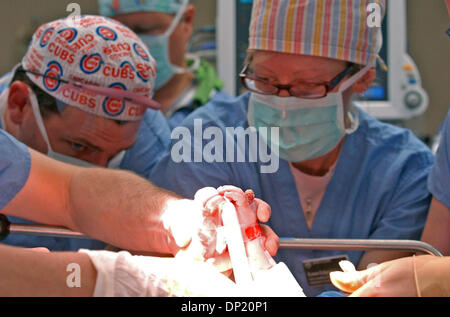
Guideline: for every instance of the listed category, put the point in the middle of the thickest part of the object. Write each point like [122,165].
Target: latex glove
[208,242]
[197,226]
[194,223]
[394,278]
[122,274]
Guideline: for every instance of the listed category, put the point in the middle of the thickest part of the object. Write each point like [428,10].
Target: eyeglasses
[137,99]
[301,89]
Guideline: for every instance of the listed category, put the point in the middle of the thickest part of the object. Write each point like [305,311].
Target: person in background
[183,81]
[79,126]
[414,276]
[342,174]
[437,227]
[424,275]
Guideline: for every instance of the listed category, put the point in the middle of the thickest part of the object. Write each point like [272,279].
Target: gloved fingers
[246,212]
[195,251]
[238,198]
[213,206]
[221,241]
[229,188]
[272,242]
[203,194]
[210,234]
[205,235]
[250,195]
[222,263]
[209,198]
[211,201]
[367,290]
[346,281]
[207,239]
[347,266]
[234,192]
[351,280]
[263,210]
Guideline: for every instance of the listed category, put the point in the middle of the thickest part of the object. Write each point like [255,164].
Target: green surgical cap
[112,7]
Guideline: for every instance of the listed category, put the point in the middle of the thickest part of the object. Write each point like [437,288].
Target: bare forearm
[437,227]
[117,207]
[377,257]
[24,272]
[120,208]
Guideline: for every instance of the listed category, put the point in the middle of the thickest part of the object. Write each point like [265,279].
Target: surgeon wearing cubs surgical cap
[184,82]
[77,126]
[342,173]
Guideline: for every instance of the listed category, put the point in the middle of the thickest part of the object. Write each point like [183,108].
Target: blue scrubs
[178,116]
[439,180]
[378,191]
[15,165]
[152,140]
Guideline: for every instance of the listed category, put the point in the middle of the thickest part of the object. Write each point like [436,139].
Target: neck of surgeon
[168,94]
[320,166]
[7,123]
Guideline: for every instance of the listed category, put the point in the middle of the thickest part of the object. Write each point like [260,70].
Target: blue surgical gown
[378,191]
[178,116]
[152,140]
[439,180]
[15,165]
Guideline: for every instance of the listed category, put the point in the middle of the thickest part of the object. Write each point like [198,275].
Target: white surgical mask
[309,128]
[113,163]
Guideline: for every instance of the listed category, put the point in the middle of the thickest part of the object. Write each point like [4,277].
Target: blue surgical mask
[309,128]
[158,46]
[115,162]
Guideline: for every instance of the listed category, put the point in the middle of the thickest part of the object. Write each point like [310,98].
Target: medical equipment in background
[395,95]
[7,228]
[203,43]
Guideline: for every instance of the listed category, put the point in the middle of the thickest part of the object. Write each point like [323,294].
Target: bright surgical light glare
[182,217]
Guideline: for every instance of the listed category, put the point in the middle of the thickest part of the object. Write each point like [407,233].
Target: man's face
[78,134]
[157,23]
